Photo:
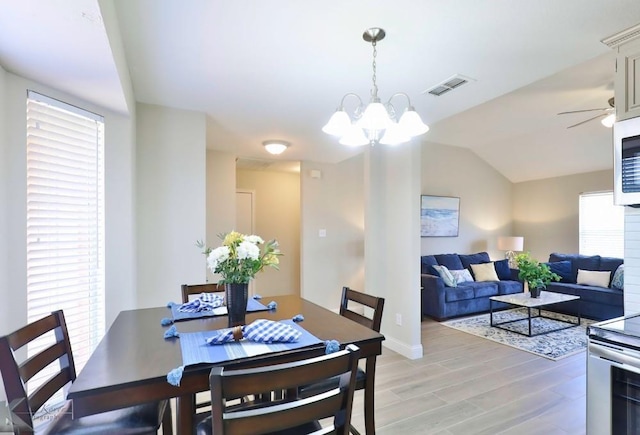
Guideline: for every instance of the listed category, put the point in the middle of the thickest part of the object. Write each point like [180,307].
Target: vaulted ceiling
[277,69]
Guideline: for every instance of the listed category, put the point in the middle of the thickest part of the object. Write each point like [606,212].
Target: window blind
[65,221]
[601,225]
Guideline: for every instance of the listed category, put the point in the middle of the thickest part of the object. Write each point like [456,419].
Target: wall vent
[448,85]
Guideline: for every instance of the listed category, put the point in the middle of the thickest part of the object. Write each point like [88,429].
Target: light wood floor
[468,385]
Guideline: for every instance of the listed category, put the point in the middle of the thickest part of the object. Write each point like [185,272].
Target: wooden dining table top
[131,363]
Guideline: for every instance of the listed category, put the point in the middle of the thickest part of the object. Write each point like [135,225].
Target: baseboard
[411,352]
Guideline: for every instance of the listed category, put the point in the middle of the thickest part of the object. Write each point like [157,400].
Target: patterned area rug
[554,345]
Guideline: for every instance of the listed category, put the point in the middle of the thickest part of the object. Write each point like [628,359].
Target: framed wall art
[439,216]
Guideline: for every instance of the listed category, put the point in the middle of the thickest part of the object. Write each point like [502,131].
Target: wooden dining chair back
[374,303]
[288,414]
[365,303]
[23,404]
[196,289]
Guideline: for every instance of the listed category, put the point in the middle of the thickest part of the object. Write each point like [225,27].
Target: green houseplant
[534,273]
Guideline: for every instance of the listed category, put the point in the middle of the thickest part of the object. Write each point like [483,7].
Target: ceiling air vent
[448,85]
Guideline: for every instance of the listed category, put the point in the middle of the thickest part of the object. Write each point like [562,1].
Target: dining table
[130,364]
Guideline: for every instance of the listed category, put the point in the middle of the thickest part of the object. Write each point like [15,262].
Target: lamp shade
[411,123]
[375,117]
[338,124]
[609,120]
[354,137]
[511,243]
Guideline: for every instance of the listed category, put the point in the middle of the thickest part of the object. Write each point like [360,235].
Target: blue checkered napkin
[260,331]
[204,302]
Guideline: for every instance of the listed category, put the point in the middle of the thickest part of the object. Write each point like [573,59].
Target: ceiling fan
[607,112]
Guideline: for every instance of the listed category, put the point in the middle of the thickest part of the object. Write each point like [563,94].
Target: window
[65,221]
[601,225]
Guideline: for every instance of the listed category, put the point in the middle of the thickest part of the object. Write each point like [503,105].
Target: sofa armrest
[432,296]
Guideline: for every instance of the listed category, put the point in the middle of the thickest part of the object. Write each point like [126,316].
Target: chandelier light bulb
[355,137]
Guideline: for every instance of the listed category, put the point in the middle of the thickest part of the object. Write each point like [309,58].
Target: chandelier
[375,123]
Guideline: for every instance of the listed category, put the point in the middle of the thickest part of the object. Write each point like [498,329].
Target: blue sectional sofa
[597,302]
[441,301]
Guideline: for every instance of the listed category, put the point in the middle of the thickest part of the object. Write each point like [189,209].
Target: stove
[613,376]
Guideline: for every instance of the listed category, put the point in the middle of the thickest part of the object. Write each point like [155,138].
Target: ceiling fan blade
[585,110]
[587,120]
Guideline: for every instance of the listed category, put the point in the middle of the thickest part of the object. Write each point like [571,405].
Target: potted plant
[534,273]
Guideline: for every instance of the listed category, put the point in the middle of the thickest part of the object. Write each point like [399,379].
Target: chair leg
[167,420]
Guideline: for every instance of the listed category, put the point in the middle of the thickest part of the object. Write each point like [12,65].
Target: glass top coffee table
[524,300]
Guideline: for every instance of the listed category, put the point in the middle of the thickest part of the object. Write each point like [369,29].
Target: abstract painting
[439,216]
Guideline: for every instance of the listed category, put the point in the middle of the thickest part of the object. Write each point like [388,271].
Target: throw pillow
[593,277]
[461,275]
[618,278]
[468,260]
[502,270]
[446,276]
[484,272]
[426,264]
[562,268]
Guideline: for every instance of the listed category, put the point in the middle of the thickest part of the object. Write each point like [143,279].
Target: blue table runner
[195,350]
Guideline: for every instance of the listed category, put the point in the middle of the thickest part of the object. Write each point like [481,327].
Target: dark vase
[236,297]
[535,292]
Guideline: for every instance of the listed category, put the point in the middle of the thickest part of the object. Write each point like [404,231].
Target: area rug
[554,345]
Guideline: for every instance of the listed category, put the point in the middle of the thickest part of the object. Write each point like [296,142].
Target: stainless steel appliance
[626,162]
[613,377]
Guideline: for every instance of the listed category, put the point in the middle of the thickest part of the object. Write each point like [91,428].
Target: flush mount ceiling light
[376,122]
[275,146]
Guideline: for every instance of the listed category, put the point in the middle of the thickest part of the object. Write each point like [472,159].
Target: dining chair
[140,419]
[196,289]
[287,414]
[371,317]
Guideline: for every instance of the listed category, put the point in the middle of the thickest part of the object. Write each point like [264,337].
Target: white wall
[485,199]
[392,242]
[171,201]
[221,199]
[334,202]
[546,212]
[277,216]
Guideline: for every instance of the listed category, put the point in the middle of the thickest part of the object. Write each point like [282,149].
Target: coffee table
[524,300]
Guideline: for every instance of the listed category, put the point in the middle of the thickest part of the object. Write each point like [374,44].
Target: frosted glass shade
[411,123]
[375,117]
[609,120]
[354,137]
[339,124]
[394,135]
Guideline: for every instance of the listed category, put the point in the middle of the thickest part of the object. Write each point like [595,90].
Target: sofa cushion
[426,264]
[460,293]
[584,262]
[598,295]
[617,281]
[452,261]
[611,264]
[509,287]
[480,257]
[562,268]
[502,269]
[484,272]
[461,275]
[446,276]
[594,278]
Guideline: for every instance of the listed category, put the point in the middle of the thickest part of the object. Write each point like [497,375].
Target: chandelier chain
[374,89]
